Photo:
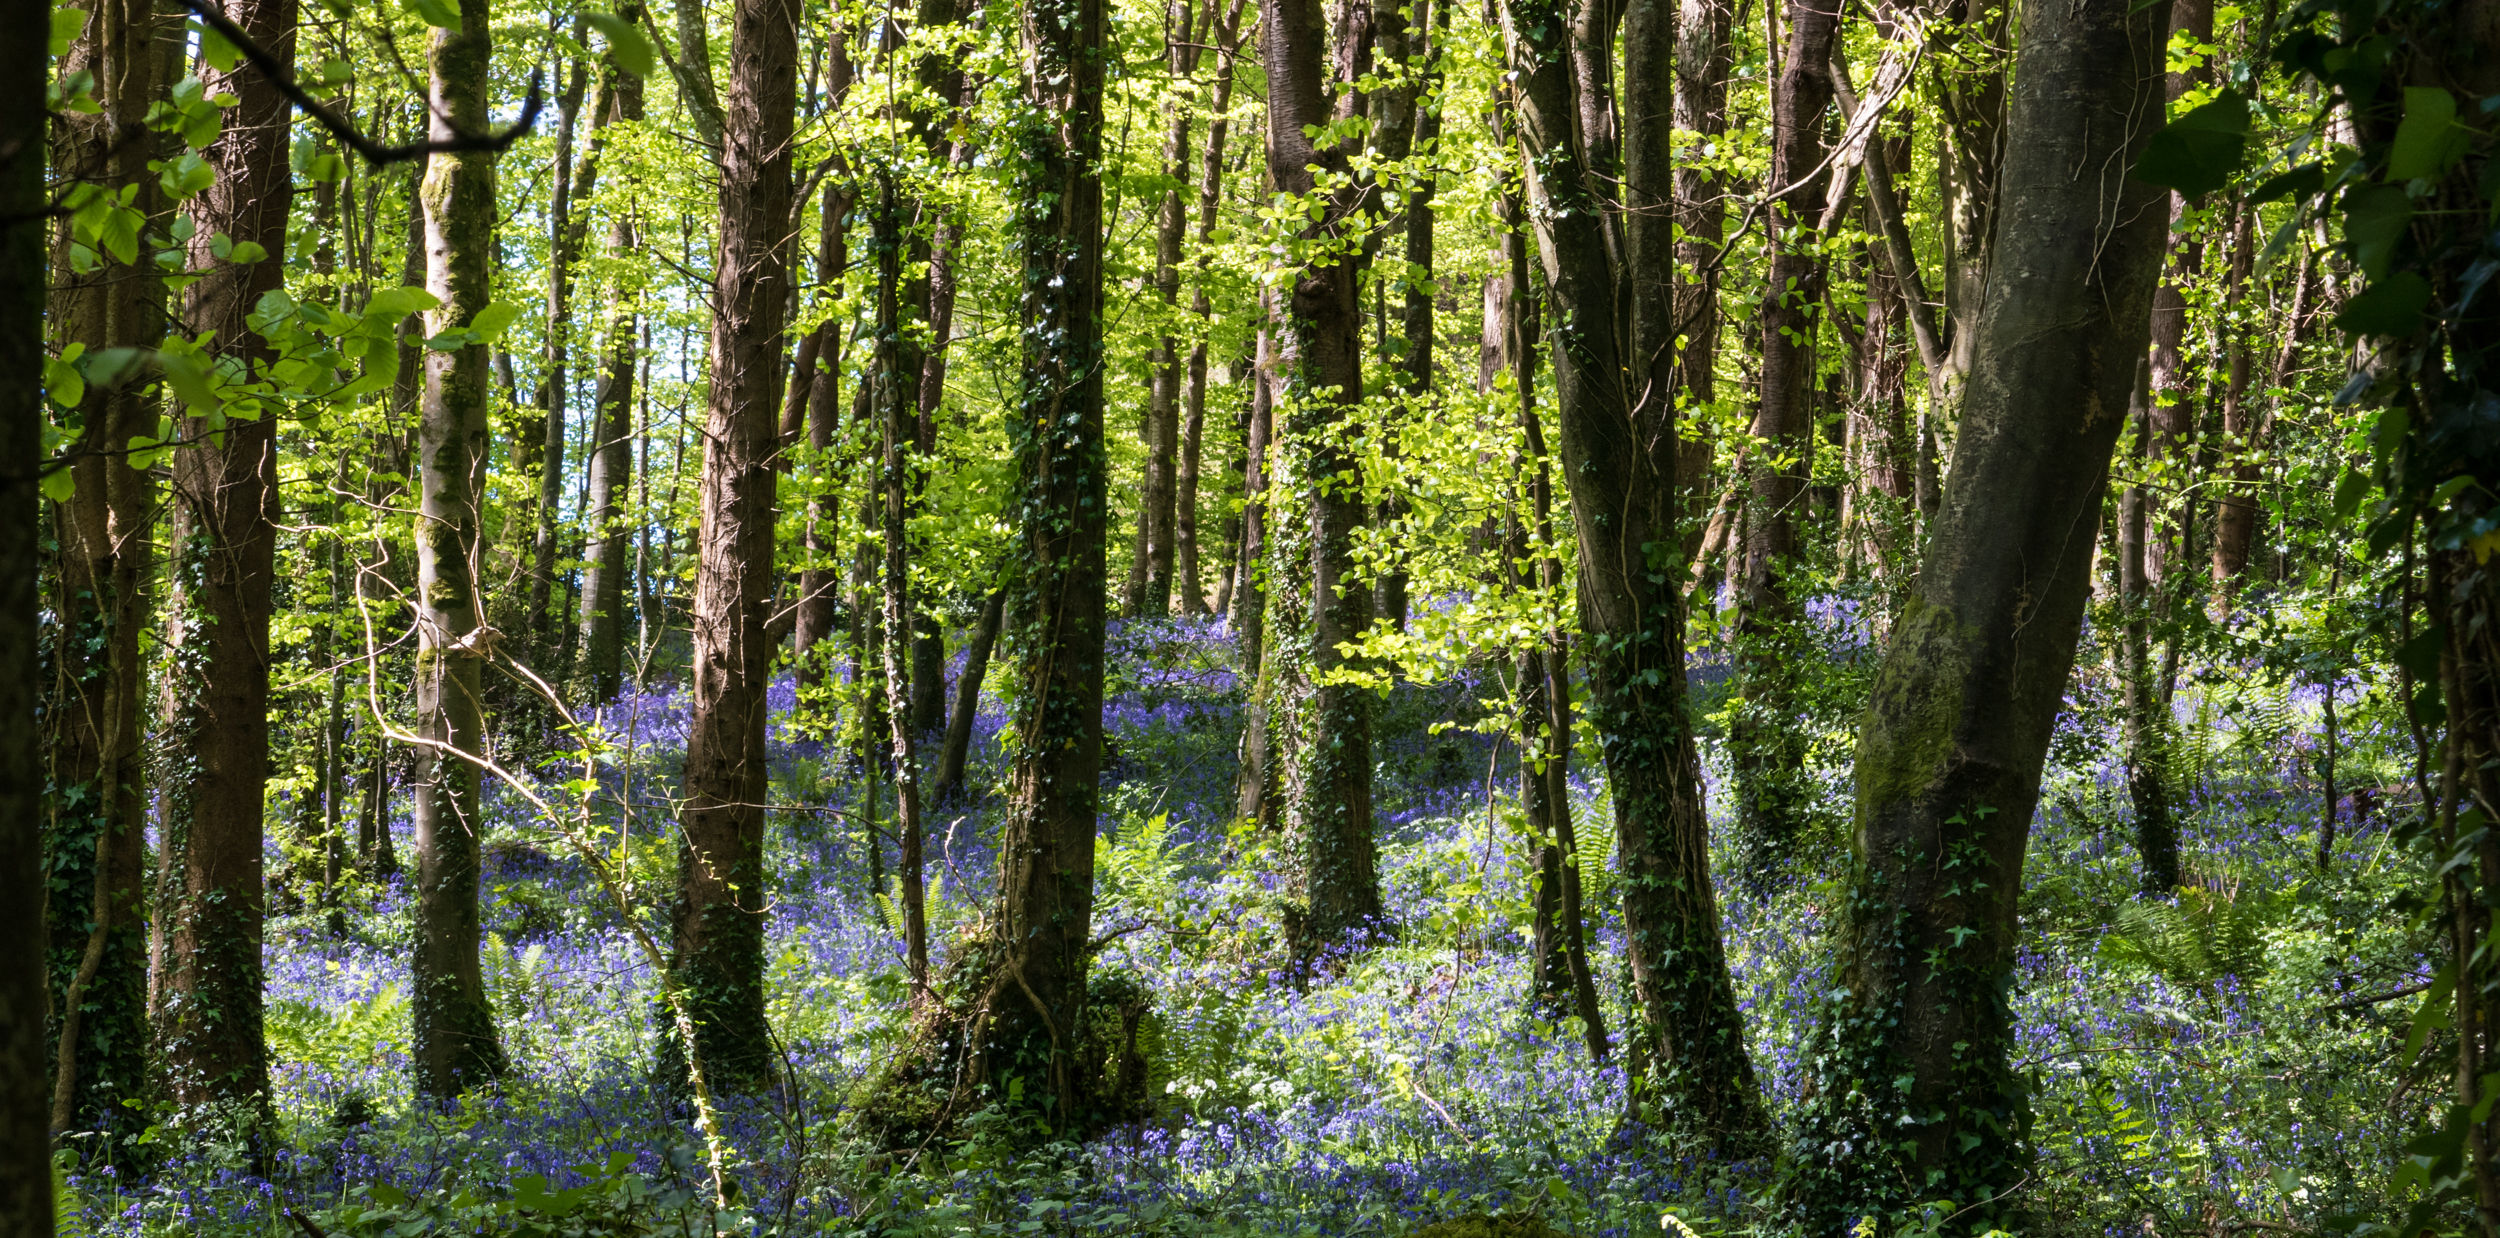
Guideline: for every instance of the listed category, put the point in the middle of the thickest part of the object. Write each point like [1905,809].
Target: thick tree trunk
[1686,1040]
[1320,369]
[455,1040]
[1951,749]
[718,966]
[25,1145]
[1766,746]
[1036,992]
[224,542]
[96,819]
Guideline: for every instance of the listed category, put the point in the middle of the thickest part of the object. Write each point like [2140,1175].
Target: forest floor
[2229,1055]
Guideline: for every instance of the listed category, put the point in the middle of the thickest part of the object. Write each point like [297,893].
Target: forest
[1822,618]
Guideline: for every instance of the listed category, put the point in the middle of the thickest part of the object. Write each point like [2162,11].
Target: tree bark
[897,393]
[1766,747]
[541,624]
[1686,1041]
[1950,752]
[95,821]
[2235,512]
[26,1192]
[1186,571]
[957,750]
[612,442]
[454,1025]
[1162,491]
[820,583]
[1254,795]
[1320,370]
[718,964]
[2147,708]
[1704,30]
[225,493]
[941,75]
[1036,992]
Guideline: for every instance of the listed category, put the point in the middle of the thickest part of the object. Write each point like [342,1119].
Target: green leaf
[2392,306]
[490,322]
[436,13]
[2197,153]
[628,46]
[394,304]
[58,482]
[220,54]
[66,23]
[2429,138]
[246,253]
[62,382]
[2349,491]
[2375,217]
[2299,182]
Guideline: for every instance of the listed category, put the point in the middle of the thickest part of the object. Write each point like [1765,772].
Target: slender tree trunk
[898,387]
[2177,384]
[1766,747]
[1161,497]
[1036,992]
[1320,367]
[958,747]
[541,624]
[1418,130]
[719,960]
[96,814]
[934,302]
[1950,752]
[1686,1041]
[455,1040]
[1255,791]
[1703,61]
[2147,713]
[1970,87]
[820,583]
[1186,572]
[611,448]
[225,507]
[26,1191]
[2236,513]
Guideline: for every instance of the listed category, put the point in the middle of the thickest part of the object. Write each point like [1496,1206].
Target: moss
[1919,704]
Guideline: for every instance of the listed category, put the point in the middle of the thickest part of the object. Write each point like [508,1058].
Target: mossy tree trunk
[1055,601]
[223,554]
[95,845]
[1686,1040]
[456,1046]
[1914,1098]
[1320,375]
[718,961]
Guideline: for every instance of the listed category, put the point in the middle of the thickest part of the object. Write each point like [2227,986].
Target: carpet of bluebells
[2236,1054]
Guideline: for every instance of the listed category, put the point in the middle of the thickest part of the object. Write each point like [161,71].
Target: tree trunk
[898,387]
[1036,993]
[2177,385]
[820,583]
[1766,747]
[1686,1042]
[941,75]
[26,1191]
[1950,752]
[1160,501]
[1320,367]
[611,447]
[1970,88]
[454,1026]
[1254,795]
[541,624]
[96,818]
[1186,571]
[224,542]
[1703,62]
[958,747]
[718,965]
[2235,513]
[2148,707]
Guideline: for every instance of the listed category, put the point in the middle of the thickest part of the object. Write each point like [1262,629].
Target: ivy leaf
[2197,153]
[2429,138]
[628,46]
[2390,307]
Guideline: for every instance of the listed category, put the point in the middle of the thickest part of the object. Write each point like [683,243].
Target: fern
[2197,940]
